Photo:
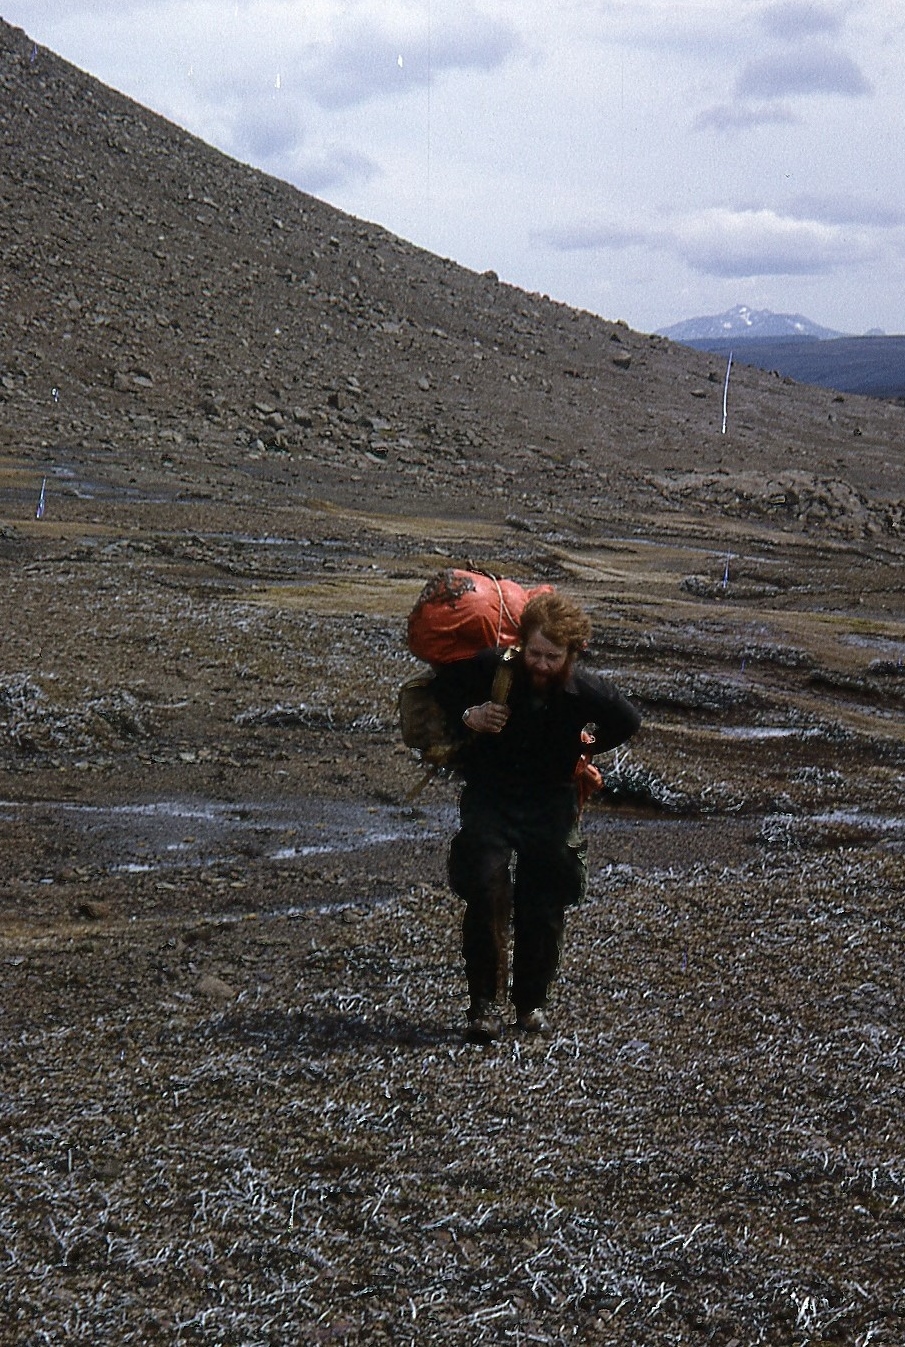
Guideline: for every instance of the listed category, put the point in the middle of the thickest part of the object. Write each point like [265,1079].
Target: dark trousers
[539,830]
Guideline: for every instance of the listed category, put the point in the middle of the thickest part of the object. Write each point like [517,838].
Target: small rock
[623,360]
[699,393]
[108,1167]
[215,989]
[424,384]
[93,910]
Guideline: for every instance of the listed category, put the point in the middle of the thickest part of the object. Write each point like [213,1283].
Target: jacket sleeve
[464,683]
[615,717]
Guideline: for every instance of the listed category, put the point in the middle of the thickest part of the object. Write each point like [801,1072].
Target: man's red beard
[544,682]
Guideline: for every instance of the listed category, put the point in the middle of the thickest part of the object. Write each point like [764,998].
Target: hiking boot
[534,1021]
[484,1023]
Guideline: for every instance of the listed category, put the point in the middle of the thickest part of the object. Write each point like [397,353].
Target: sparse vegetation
[237,1108]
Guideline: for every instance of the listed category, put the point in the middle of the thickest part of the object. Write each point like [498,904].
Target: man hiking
[524,733]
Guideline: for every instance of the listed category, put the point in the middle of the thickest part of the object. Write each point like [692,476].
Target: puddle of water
[292,853]
[888,644]
[836,828]
[767,732]
[878,822]
[249,540]
[150,837]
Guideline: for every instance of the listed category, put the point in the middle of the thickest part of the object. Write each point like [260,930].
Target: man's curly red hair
[560,620]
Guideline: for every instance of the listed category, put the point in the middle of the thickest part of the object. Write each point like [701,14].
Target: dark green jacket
[542,740]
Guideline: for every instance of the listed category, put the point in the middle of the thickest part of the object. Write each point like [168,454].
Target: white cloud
[721,242]
[727,242]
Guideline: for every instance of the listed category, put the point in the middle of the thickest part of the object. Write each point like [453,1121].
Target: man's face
[546,664]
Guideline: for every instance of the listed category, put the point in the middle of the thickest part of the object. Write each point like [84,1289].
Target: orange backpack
[458,614]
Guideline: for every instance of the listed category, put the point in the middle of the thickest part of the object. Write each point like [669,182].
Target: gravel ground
[237,1102]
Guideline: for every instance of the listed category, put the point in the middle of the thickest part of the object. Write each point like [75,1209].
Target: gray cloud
[796,19]
[331,169]
[586,237]
[338,55]
[815,69]
[371,62]
[730,117]
[269,129]
[846,210]
[52,11]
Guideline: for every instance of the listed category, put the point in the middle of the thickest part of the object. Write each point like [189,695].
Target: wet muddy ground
[236,1101]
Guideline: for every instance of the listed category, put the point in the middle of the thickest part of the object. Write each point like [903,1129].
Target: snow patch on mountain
[743,322]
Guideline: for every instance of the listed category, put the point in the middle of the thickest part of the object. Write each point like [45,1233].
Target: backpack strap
[504,609]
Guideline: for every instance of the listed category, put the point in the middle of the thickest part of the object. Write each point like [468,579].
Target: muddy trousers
[540,834]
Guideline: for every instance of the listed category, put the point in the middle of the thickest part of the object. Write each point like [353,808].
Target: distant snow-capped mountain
[741,322]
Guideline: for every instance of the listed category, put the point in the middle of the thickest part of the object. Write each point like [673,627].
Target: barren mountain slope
[163,289]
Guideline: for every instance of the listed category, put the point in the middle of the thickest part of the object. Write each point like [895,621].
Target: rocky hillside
[173,313]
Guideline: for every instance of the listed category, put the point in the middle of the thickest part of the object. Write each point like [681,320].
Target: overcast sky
[646,159]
